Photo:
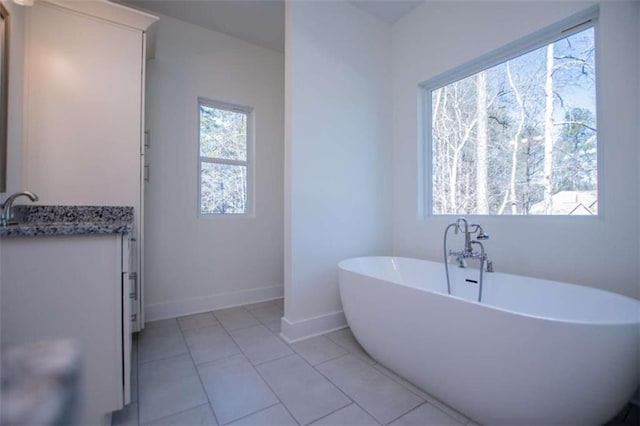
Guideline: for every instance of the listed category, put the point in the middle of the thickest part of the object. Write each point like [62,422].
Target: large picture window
[519,135]
[224,160]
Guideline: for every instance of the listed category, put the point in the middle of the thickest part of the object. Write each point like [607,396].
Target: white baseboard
[311,327]
[196,305]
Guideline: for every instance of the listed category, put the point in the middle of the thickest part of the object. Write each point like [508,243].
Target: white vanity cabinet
[74,286]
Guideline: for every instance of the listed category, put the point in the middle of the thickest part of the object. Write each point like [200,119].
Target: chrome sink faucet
[6,214]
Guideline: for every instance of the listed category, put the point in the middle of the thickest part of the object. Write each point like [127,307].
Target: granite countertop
[69,220]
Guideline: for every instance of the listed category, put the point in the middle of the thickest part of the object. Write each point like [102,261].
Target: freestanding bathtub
[533,352]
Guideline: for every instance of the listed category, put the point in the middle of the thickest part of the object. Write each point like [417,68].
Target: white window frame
[249,163]
[580,21]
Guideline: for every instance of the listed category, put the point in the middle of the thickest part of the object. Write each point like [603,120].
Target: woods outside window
[225,152]
[516,133]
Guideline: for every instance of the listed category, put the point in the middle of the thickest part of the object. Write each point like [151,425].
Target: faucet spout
[467,234]
[5,208]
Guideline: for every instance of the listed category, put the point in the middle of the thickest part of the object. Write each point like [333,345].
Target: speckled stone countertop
[69,220]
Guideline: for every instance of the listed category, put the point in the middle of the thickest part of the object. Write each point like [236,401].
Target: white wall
[600,252]
[15,99]
[638,121]
[336,152]
[200,263]
[16,96]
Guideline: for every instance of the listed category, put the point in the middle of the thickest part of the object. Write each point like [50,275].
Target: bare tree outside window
[519,138]
[224,165]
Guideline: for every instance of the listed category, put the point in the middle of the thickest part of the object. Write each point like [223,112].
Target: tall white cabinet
[84,98]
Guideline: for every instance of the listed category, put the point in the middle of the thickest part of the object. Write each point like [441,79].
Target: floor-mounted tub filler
[532,352]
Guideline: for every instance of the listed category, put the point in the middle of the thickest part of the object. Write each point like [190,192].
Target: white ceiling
[257,21]
[389,10]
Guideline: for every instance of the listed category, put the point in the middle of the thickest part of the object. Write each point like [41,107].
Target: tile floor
[230,367]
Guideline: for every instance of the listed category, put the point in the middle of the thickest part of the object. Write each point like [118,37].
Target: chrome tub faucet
[462,225]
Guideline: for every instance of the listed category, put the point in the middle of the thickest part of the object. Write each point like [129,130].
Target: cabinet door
[83,103]
[69,287]
[127,301]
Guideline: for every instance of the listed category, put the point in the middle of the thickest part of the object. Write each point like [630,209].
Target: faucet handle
[489,266]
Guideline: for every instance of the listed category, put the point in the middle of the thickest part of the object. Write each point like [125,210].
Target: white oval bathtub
[534,352]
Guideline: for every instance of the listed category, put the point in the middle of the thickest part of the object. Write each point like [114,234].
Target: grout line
[348,352]
[328,380]
[217,324]
[319,372]
[395,379]
[328,414]
[262,362]
[296,353]
[251,414]
[441,406]
[193,330]
[265,382]
[228,332]
[326,360]
[431,400]
[277,397]
[273,360]
[239,328]
[334,411]
[366,359]
[341,408]
[160,338]
[204,389]
[404,414]
[344,392]
[333,359]
[175,414]
[427,400]
[165,358]
[216,360]
[254,316]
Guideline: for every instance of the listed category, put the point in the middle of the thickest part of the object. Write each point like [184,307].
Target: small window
[224,159]
[516,134]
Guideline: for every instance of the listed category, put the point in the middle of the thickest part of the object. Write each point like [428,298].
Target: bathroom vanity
[66,274]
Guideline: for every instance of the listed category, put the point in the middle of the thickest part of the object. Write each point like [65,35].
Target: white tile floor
[231,367]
